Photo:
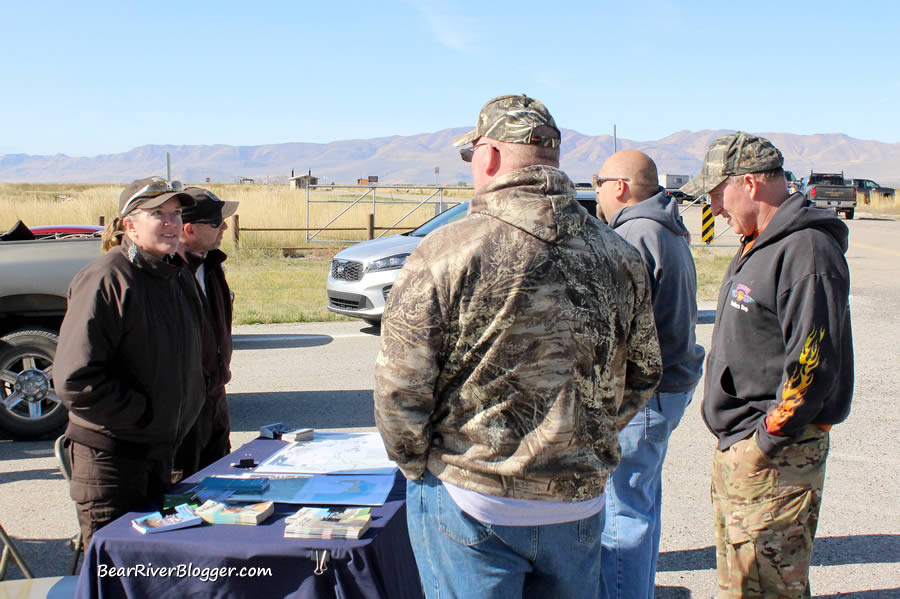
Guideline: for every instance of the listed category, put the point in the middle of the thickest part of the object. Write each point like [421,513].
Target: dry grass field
[270,285]
[273,285]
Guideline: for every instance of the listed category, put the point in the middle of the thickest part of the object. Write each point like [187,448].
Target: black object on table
[253,561]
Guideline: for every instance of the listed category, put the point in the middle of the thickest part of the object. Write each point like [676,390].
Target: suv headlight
[389,263]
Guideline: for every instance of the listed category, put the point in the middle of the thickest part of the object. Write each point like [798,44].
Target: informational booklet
[215,512]
[331,453]
[328,523]
[183,517]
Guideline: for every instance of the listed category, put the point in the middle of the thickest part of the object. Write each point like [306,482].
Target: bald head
[636,166]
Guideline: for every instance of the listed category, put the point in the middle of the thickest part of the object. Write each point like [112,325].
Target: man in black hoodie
[780,368]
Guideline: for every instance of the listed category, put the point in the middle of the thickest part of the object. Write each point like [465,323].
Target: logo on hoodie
[740,297]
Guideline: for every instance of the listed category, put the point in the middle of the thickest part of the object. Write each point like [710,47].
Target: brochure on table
[331,453]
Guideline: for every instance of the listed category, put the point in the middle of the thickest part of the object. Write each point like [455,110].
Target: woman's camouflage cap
[514,119]
[734,154]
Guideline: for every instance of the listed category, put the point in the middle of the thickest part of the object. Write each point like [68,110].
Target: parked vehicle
[673,184]
[793,184]
[865,188]
[34,278]
[831,190]
[361,276]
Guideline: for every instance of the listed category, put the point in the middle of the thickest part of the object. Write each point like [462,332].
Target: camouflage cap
[734,154]
[514,119]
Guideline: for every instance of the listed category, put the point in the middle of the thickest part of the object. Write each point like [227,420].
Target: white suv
[361,276]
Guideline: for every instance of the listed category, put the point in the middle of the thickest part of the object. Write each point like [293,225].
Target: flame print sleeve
[798,383]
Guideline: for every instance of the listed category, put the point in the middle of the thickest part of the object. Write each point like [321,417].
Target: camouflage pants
[766,511]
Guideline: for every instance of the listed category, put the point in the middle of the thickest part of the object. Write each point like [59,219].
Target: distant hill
[412,159]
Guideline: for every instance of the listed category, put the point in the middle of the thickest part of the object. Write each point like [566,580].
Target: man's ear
[751,185]
[621,188]
[188,228]
[493,161]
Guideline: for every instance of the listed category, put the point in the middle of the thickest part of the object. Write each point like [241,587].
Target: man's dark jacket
[209,439]
[782,345]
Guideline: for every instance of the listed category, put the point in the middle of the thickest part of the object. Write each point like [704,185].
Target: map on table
[331,453]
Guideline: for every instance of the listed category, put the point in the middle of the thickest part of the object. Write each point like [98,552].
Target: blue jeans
[461,557]
[634,498]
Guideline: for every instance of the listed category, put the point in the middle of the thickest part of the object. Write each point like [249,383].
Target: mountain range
[415,159]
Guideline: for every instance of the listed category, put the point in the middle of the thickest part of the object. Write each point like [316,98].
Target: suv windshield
[444,218]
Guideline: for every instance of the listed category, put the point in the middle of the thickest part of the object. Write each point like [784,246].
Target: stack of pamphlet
[216,512]
[297,434]
[328,523]
[156,522]
[280,430]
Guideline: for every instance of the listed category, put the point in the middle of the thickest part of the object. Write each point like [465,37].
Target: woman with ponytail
[128,362]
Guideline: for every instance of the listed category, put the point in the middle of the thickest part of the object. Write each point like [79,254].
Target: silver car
[362,275]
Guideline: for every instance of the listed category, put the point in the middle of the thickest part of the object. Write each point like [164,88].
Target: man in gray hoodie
[630,199]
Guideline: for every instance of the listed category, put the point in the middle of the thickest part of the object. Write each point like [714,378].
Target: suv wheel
[29,406]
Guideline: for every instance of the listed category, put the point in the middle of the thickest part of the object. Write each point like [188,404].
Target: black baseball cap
[207,207]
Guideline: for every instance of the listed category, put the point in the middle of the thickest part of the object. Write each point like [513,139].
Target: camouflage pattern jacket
[516,344]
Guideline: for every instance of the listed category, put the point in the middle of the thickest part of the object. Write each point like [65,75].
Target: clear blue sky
[99,77]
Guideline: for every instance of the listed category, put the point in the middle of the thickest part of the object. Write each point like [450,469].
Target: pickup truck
[866,187]
[34,278]
[830,190]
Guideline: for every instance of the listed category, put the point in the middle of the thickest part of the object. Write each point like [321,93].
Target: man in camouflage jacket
[516,344]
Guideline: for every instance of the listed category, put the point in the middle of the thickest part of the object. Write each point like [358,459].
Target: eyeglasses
[215,224]
[151,190]
[598,180]
[467,153]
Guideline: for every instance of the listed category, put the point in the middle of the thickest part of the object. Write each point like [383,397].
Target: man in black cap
[201,235]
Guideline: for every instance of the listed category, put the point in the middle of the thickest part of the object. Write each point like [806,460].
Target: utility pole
[615,141]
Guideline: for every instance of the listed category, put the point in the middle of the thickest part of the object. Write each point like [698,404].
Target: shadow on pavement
[671,593]
[315,409]
[873,594]
[690,559]
[828,551]
[279,341]
[45,474]
[858,549]
[706,317]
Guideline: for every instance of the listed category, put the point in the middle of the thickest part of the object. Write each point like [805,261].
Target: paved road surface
[320,375]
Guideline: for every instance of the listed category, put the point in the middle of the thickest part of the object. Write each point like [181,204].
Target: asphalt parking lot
[321,375]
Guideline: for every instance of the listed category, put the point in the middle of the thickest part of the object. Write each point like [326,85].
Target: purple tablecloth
[216,560]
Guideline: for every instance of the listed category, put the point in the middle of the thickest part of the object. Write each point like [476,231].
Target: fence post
[101,220]
[236,232]
[370,226]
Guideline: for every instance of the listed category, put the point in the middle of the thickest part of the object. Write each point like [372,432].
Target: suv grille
[346,303]
[346,270]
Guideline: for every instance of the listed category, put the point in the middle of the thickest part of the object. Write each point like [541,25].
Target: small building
[304,181]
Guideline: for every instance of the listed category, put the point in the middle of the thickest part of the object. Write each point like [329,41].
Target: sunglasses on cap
[151,190]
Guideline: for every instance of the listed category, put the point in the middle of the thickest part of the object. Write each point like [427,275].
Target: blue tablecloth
[216,560]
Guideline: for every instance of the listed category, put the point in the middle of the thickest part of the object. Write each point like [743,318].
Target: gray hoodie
[655,228]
